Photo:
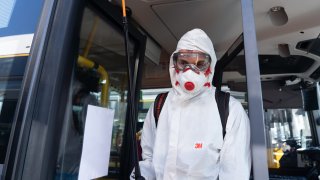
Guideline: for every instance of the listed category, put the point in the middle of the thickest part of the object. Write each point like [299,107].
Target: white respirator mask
[191,82]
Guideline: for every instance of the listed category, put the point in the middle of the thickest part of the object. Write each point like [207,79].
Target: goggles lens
[198,61]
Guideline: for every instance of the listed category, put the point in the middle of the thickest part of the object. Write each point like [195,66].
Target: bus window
[146,100]
[19,17]
[100,79]
[287,130]
[17,24]
[10,81]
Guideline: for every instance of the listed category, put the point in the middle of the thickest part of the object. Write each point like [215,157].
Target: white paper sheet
[96,143]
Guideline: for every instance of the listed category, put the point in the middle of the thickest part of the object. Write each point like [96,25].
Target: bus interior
[95,73]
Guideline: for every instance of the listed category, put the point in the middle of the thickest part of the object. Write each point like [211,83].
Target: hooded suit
[188,143]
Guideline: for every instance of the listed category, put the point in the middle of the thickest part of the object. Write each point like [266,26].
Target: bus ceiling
[282,29]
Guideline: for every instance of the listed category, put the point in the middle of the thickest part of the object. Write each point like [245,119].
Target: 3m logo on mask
[192,82]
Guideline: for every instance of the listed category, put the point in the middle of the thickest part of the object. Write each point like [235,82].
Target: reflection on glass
[100,79]
[6,9]
[287,131]
[11,74]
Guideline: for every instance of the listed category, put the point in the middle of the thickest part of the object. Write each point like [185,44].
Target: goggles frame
[183,64]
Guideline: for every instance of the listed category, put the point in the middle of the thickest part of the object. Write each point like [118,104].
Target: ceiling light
[104,81]
[278,16]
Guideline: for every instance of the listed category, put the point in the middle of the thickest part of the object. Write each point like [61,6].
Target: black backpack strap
[158,104]
[222,99]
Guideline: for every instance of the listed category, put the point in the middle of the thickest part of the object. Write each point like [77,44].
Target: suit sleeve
[235,155]
[147,143]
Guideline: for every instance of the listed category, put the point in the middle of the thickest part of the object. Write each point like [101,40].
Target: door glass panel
[100,79]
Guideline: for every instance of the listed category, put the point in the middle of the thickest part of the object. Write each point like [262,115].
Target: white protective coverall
[188,142]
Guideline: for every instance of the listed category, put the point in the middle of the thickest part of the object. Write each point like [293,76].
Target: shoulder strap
[222,99]
[158,104]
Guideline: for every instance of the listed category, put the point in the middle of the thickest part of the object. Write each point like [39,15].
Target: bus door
[99,78]
[77,60]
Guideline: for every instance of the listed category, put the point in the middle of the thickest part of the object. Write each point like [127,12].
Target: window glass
[11,75]
[100,79]
[288,131]
[6,9]
[147,98]
[19,16]
[18,20]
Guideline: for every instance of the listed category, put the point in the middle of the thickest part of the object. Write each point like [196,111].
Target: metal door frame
[256,116]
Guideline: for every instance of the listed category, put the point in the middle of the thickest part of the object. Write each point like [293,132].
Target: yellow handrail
[104,77]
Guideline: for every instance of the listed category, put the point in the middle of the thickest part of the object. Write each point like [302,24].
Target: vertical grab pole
[131,89]
[258,138]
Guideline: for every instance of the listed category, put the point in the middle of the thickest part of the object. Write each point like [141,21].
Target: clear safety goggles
[196,61]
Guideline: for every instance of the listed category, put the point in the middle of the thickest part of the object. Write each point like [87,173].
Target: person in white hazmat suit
[188,143]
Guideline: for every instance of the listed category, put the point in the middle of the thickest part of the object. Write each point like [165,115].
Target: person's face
[191,59]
